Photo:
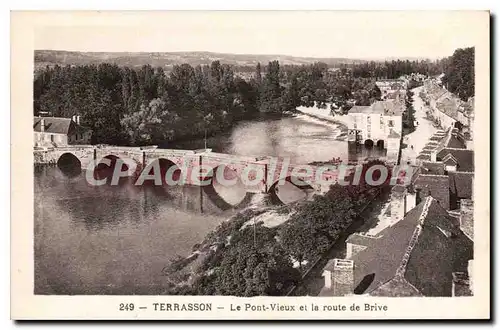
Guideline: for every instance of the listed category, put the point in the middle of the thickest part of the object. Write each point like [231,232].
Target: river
[117,240]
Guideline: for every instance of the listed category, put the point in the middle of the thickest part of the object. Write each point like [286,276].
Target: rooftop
[436,186]
[360,109]
[464,157]
[414,257]
[456,142]
[56,125]
[387,108]
[433,168]
[461,187]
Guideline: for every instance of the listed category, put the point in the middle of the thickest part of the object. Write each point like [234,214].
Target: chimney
[343,277]
[467,218]
[411,199]
[42,124]
[472,185]
[433,155]
[460,285]
[471,276]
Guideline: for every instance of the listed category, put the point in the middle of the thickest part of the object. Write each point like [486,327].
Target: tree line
[134,106]
[258,261]
[459,73]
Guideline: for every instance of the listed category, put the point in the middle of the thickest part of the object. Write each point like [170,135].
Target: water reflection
[117,239]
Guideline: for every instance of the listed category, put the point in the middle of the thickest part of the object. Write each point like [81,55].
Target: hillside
[166,60]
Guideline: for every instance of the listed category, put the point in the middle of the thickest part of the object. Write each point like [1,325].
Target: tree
[270,98]
[459,75]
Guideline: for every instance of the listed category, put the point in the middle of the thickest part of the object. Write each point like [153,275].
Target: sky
[350,34]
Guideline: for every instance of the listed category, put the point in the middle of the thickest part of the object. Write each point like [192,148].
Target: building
[427,253]
[377,123]
[447,170]
[446,109]
[57,131]
[389,86]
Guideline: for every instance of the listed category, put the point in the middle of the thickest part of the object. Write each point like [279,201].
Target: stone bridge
[254,174]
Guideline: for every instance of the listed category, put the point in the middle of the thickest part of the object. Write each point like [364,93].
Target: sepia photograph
[208,156]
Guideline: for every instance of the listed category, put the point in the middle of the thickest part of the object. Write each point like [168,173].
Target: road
[424,130]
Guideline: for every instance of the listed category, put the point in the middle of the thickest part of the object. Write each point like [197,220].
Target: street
[423,131]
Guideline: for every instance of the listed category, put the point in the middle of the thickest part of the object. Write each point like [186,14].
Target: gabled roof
[461,187]
[455,142]
[397,287]
[57,125]
[423,156]
[413,257]
[436,186]
[360,109]
[388,107]
[363,240]
[384,256]
[54,125]
[433,168]
[436,256]
[464,157]
[450,160]
[448,105]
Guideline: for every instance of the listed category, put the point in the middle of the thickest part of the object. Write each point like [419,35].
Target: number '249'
[126,307]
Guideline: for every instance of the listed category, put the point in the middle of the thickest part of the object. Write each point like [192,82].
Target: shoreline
[341,123]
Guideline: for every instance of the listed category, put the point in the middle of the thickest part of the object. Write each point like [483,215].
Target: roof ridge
[434,175]
[414,238]
[457,149]
[449,156]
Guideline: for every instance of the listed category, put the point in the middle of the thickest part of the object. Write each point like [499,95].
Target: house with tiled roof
[58,131]
[446,108]
[446,171]
[379,124]
[427,253]
[391,86]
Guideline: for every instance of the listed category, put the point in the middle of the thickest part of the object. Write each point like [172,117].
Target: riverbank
[183,274]
[324,115]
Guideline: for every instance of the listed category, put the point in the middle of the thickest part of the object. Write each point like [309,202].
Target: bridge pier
[255,175]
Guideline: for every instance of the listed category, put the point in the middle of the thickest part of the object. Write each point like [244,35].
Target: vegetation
[409,114]
[459,73]
[395,69]
[131,106]
[256,260]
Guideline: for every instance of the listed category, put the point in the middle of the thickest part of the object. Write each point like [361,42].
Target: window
[51,137]
[391,123]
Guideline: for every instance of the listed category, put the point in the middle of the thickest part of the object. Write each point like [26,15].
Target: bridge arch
[104,171]
[290,190]
[369,143]
[69,164]
[169,173]
[380,144]
[226,189]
